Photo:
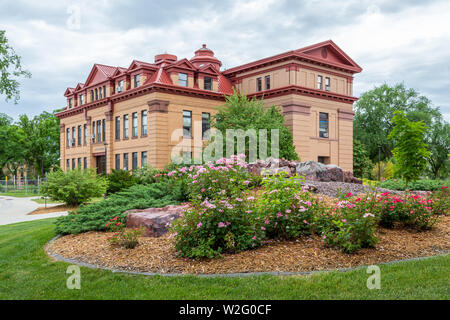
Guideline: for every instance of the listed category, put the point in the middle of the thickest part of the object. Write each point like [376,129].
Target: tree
[41,141]
[361,161]
[374,112]
[239,112]
[11,147]
[438,140]
[11,68]
[410,151]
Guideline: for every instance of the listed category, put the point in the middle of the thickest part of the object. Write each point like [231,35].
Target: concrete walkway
[14,210]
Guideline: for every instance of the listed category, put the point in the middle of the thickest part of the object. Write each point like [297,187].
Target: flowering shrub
[212,227]
[351,225]
[226,178]
[286,209]
[441,203]
[127,238]
[412,210]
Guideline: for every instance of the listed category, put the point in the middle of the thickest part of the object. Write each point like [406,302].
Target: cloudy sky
[59,41]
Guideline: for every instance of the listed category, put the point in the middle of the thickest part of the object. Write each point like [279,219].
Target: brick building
[124,117]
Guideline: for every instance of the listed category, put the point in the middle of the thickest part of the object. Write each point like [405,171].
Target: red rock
[156,221]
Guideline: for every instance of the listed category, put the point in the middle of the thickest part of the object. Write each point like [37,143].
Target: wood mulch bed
[50,209]
[305,254]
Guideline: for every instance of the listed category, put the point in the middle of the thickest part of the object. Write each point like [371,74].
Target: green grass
[27,273]
[19,194]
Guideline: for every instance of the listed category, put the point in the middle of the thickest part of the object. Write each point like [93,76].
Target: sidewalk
[14,210]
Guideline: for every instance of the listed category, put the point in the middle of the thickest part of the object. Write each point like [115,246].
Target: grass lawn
[19,194]
[50,201]
[27,273]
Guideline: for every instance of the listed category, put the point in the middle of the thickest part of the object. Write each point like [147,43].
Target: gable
[184,63]
[209,68]
[328,51]
[96,76]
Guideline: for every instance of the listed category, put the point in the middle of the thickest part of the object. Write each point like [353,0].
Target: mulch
[50,209]
[305,254]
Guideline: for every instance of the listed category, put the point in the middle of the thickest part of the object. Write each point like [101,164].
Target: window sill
[144,135]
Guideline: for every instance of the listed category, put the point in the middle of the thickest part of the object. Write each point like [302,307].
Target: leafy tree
[239,112]
[41,141]
[11,68]
[361,161]
[74,186]
[374,112]
[410,151]
[11,147]
[438,140]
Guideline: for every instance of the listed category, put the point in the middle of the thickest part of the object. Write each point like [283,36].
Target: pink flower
[238,199]
[221,225]
[249,211]
[254,238]
[246,182]
[324,237]
[344,220]
[262,228]
[199,225]
[279,214]
[202,190]
[266,221]
[251,198]
[288,211]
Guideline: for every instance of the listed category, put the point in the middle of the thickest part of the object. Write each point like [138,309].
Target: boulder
[272,171]
[348,177]
[311,170]
[334,173]
[156,221]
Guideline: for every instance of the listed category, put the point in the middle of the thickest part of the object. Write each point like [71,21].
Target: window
[92,95]
[143,158]
[117,128]
[323,125]
[207,83]
[93,132]
[319,82]
[79,135]
[327,83]
[134,125]
[84,163]
[187,157]
[81,99]
[134,161]
[73,164]
[205,125]
[70,103]
[125,126]
[266,82]
[187,124]
[120,86]
[125,161]
[137,80]
[67,164]
[99,130]
[182,79]
[79,163]
[258,84]
[144,122]
[103,130]
[100,93]
[73,136]
[324,160]
[117,161]
[104,91]
[68,137]
[85,134]
[96,94]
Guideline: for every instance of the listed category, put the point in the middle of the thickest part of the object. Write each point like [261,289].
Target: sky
[59,41]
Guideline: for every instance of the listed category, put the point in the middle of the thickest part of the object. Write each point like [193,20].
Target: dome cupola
[204,56]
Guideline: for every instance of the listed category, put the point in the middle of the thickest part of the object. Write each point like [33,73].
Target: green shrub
[122,236]
[95,216]
[217,226]
[387,170]
[441,204]
[119,180]
[351,226]
[423,185]
[287,211]
[74,187]
[147,174]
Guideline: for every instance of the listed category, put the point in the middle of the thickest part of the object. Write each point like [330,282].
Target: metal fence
[21,186]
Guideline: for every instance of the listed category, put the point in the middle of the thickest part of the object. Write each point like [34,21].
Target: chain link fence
[21,186]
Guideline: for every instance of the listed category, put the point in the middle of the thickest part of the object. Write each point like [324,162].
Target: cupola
[204,56]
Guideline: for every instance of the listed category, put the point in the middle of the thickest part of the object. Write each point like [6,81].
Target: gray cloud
[393,41]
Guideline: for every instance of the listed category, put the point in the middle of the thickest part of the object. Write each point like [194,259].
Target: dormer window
[182,79]
[120,86]
[96,94]
[137,80]
[70,103]
[81,99]
[327,83]
[207,83]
